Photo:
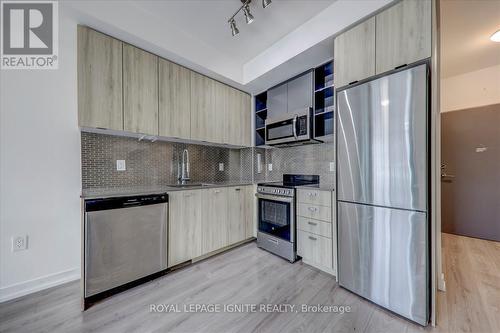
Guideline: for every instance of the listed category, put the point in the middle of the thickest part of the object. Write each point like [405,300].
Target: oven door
[276,216]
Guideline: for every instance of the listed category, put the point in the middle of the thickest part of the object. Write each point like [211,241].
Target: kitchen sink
[190,185]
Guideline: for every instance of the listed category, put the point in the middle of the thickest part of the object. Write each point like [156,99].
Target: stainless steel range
[276,214]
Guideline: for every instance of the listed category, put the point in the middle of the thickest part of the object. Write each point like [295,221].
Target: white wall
[473,89]
[40,172]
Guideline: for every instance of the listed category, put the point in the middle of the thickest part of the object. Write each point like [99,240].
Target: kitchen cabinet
[300,93]
[224,126]
[140,90]
[174,100]
[99,80]
[185,226]
[354,54]
[214,203]
[277,101]
[251,209]
[203,107]
[316,229]
[403,34]
[244,120]
[238,213]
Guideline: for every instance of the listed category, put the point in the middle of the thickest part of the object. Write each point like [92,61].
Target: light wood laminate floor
[249,275]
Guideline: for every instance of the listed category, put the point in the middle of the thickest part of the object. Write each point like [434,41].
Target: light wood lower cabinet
[185,222]
[202,221]
[315,249]
[140,90]
[215,224]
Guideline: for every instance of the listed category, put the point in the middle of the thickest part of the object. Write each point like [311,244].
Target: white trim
[40,283]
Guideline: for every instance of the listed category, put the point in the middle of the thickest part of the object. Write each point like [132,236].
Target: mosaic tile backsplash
[157,163]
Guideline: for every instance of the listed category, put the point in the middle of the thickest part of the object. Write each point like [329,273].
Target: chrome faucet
[184,174]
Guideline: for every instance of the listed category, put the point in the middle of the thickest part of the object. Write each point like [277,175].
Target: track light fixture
[234,28]
[248,16]
[266,3]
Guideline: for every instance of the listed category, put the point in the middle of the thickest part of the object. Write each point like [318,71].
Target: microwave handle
[294,125]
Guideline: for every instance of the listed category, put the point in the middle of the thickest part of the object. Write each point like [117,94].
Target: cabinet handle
[274,241]
[312,209]
[312,223]
[237,189]
[400,66]
[187,194]
[353,82]
[313,194]
[217,191]
[312,238]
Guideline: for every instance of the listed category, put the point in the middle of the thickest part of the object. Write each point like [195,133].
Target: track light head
[248,15]
[234,28]
[266,3]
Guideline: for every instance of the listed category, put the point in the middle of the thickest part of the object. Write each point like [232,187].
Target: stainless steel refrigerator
[382,184]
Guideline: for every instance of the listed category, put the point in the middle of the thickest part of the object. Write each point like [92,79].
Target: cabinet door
[403,34]
[140,90]
[300,92]
[174,100]
[214,224]
[245,119]
[250,209]
[99,80]
[202,107]
[233,124]
[237,214]
[184,237]
[354,54]
[221,120]
[277,101]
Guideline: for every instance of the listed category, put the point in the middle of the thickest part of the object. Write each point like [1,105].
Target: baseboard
[27,287]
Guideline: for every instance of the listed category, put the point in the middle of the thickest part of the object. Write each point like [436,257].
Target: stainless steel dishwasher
[125,240]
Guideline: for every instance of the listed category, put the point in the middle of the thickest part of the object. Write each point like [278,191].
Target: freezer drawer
[123,245]
[383,257]
[382,141]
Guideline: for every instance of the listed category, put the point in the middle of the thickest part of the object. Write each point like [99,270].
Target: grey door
[470,185]
[123,245]
[383,257]
[300,91]
[382,140]
[276,101]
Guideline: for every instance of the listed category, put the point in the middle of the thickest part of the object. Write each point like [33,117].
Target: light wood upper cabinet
[140,90]
[185,222]
[221,114]
[202,107]
[403,34]
[99,80]
[354,54]
[215,222]
[174,100]
[239,125]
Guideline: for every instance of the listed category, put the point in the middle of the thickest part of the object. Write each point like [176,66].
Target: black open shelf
[323,124]
[260,118]
[323,76]
[324,100]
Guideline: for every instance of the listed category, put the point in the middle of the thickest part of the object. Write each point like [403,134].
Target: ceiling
[466,27]
[207,21]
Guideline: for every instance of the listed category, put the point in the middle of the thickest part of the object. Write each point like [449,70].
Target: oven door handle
[294,125]
[273,198]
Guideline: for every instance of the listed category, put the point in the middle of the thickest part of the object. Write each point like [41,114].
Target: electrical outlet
[19,243]
[270,167]
[221,166]
[332,166]
[120,165]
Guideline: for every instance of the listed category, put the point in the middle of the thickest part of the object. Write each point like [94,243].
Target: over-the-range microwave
[290,129]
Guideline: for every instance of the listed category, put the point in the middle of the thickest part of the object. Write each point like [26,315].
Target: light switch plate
[221,166]
[332,166]
[270,167]
[120,165]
